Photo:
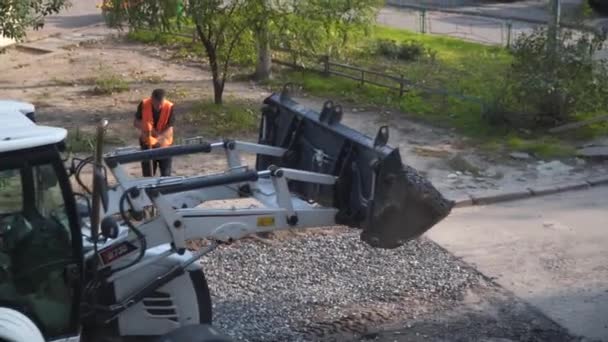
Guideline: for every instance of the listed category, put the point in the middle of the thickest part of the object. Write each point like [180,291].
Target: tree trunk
[218,91]
[263,70]
[218,81]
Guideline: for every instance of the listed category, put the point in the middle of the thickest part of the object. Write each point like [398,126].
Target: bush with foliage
[163,14]
[321,27]
[241,32]
[408,50]
[17,17]
[546,85]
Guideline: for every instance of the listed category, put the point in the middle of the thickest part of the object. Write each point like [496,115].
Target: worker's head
[158,96]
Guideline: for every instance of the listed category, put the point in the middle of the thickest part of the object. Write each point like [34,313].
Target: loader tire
[203,296]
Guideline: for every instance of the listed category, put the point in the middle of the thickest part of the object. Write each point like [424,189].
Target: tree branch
[236,38]
[223,26]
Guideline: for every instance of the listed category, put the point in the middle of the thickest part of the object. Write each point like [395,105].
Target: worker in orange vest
[154,120]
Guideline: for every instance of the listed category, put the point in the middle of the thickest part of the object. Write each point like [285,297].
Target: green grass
[183,47]
[544,147]
[106,83]
[590,131]
[460,67]
[153,37]
[79,141]
[177,93]
[439,110]
[232,118]
[455,52]
[109,84]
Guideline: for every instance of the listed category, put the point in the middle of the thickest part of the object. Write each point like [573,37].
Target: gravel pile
[275,292]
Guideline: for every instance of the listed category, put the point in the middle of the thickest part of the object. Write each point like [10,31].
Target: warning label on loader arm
[113,253]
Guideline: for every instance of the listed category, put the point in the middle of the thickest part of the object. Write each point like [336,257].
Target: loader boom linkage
[132,271]
[303,157]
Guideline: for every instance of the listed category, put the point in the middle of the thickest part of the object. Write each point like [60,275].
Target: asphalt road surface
[81,14]
[484,30]
[550,251]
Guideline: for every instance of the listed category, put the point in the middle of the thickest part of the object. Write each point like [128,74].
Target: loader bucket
[375,192]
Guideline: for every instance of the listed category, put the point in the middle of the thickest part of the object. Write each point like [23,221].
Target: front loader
[96,265]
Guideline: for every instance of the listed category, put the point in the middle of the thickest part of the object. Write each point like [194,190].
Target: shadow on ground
[74,21]
[486,314]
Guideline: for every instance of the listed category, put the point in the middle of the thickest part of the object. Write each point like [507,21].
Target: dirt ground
[59,84]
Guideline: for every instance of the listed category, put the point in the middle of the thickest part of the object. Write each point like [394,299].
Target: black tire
[203,296]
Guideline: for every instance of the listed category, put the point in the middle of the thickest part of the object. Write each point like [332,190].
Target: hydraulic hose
[140,236]
[78,170]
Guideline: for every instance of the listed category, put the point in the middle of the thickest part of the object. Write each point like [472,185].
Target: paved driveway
[550,251]
[82,13]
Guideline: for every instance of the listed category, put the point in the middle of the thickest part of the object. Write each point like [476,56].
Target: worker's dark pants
[163,164]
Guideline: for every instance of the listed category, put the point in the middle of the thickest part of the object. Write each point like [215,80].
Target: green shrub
[160,15]
[78,141]
[110,84]
[409,50]
[387,48]
[543,89]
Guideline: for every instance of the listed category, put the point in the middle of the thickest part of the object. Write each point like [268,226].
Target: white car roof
[18,132]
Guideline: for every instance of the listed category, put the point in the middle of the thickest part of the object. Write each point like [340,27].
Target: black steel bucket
[376,192]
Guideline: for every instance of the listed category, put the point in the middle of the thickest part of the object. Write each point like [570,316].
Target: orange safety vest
[147,122]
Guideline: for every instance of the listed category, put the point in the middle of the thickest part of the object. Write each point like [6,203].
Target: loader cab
[40,239]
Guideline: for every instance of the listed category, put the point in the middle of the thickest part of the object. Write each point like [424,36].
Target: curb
[16,44]
[601,180]
[473,200]
[463,203]
[504,197]
[58,34]
[62,49]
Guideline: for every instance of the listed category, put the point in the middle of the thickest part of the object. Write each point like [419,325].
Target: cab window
[35,247]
